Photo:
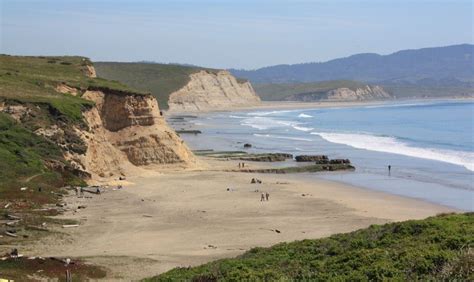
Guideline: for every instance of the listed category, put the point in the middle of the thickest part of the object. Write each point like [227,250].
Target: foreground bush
[436,248]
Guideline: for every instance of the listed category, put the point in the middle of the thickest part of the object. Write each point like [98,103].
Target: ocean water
[429,145]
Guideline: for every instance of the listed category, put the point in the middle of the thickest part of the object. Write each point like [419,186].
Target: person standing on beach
[267,195]
[389,169]
[262,197]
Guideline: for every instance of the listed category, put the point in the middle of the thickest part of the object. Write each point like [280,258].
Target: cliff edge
[212,91]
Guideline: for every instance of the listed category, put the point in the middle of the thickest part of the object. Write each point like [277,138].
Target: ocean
[429,145]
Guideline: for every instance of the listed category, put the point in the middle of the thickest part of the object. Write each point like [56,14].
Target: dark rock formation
[320,159]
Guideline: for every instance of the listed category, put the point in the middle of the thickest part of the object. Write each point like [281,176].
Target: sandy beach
[183,218]
[292,105]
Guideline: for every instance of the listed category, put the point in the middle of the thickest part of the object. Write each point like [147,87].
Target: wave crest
[392,145]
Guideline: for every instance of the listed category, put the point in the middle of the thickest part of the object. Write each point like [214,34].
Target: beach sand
[183,218]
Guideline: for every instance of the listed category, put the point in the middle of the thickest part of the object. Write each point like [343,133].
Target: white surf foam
[304,116]
[399,105]
[282,137]
[302,128]
[392,145]
[269,113]
[263,123]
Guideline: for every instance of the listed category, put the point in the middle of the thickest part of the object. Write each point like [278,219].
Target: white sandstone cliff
[212,91]
[369,92]
[125,132]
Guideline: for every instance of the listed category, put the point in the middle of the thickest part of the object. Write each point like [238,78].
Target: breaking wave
[282,137]
[392,145]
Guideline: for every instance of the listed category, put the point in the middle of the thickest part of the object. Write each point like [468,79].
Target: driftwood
[7,205]
[13,217]
[147,215]
[70,225]
[10,234]
[37,228]
[11,223]
[89,191]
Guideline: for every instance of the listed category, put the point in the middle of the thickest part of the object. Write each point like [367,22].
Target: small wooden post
[68,276]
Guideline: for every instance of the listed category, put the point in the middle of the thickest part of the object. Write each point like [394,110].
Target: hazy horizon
[224,34]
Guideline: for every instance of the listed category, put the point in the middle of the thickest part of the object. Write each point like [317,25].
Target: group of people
[255,181]
[241,165]
[264,196]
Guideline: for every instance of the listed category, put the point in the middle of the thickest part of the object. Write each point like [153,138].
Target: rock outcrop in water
[212,91]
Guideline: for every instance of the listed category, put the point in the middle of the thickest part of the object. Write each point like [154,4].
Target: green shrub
[437,248]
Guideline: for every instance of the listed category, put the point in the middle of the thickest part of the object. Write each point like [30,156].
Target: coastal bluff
[61,120]
[212,91]
[126,130]
[344,94]
[183,88]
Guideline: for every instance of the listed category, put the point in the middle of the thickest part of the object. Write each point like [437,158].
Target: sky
[230,34]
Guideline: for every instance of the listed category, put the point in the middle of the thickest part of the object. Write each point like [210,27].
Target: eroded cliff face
[366,93]
[212,91]
[369,92]
[125,132]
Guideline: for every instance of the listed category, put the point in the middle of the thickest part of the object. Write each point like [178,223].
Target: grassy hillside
[278,92]
[24,154]
[436,248]
[29,85]
[159,79]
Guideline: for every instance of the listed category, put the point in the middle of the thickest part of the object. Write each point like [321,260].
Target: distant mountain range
[451,65]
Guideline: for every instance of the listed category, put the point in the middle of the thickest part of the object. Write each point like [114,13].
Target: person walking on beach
[267,195]
[262,197]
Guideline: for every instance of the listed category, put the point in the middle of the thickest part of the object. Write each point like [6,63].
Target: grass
[159,79]
[436,248]
[34,80]
[24,154]
[278,92]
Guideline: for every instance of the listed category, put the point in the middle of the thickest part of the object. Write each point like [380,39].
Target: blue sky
[225,34]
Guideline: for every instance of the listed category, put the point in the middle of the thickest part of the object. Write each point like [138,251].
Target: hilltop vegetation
[34,80]
[436,248]
[159,79]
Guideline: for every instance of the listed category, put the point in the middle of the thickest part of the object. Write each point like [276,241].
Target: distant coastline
[290,105]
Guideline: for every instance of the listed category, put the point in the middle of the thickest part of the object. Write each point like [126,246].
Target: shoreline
[370,177]
[167,218]
[186,218]
[291,105]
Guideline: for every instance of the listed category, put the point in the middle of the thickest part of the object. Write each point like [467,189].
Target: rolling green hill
[278,92]
[436,248]
[159,79]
